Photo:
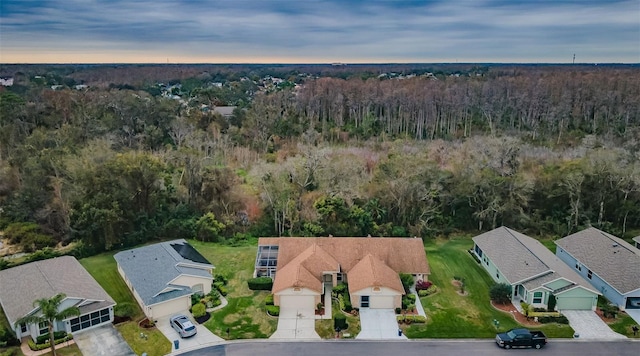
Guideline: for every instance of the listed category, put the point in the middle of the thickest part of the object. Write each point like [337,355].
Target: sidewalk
[26,350]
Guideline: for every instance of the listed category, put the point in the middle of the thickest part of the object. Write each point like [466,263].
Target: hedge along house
[21,286]
[537,277]
[163,276]
[609,263]
[305,269]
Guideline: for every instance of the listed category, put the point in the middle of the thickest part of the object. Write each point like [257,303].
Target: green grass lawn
[245,315]
[325,328]
[451,315]
[623,324]
[104,269]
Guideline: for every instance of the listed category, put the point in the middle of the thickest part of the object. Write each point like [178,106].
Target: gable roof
[22,285]
[523,259]
[611,258]
[303,260]
[151,269]
[636,239]
[371,272]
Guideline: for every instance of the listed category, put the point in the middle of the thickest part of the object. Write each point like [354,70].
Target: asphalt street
[413,347]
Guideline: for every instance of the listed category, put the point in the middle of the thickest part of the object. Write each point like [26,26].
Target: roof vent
[615,244]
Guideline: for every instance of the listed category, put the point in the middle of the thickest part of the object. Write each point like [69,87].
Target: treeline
[110,168]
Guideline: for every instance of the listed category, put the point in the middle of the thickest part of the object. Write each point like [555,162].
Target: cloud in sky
[295,31]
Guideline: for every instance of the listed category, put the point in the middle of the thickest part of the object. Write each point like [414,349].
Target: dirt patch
[519,317]
[460,288]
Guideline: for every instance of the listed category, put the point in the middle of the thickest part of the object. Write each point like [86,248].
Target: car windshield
[188,326]
[511,334]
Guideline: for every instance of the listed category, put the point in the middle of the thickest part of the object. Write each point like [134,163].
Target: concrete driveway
[296,323]
[588,325]
[204,337]
[379,324]
[102,341]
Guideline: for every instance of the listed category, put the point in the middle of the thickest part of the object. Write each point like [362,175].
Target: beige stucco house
[163,276]
[304,269]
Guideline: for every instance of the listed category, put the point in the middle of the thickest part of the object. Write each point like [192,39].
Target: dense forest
[404,150]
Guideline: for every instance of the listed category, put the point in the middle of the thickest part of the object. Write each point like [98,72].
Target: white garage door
[297,301]
[381,302]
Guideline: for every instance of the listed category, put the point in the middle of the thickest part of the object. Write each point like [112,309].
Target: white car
[183,326]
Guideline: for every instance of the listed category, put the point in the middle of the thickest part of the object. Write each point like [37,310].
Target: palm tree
[49,313]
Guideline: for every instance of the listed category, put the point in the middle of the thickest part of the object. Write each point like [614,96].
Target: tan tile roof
[323,254]
[611,258]
[20,286]
[371,272]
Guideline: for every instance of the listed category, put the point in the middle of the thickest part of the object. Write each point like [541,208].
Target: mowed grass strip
[245,316]
[104,269]
[451,315]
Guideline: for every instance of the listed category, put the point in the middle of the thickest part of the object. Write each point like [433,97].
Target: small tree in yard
[500,293]
[49,313]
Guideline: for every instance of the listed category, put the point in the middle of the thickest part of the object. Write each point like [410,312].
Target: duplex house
[163,276]
[609,263]
[535,274]
[305,268]
[21,286]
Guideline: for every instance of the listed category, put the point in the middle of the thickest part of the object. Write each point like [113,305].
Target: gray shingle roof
[151,269]
[611,258]
[523,258]
[20,286]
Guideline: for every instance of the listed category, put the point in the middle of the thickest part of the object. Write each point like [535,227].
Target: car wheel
[538,346]
[507,347]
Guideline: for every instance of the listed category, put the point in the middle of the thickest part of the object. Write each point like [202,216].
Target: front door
[364,301]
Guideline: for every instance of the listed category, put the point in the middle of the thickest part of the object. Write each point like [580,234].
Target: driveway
[379,324]
[204,337]
[588,325]
[102,341]
[294,323]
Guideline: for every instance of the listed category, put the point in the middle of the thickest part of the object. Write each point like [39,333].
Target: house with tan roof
[609,263]
[20,286]
[305,268]
[536,276]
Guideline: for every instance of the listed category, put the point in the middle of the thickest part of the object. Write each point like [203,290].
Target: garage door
[297,302]
[574,303]
[381,302]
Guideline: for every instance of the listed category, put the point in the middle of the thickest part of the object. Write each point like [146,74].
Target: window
[43,327]
[339,277]
[478,251]
[364,301]
[497,275]
[537,297]
[589,274]
[23,328]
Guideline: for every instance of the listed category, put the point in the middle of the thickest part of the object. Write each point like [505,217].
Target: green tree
[208,228]
[49,312]
[500,293]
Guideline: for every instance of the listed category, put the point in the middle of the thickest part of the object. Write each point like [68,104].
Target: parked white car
[183,326]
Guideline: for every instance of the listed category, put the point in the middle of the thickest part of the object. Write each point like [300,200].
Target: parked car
[521,338]
[183,325]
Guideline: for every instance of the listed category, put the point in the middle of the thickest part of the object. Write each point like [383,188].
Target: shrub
[260,283]
[223,290]
[417,319]
[220,278]
[269,300]
[339,289]
[124,310]
[340,322]
[526,308]
[199,310]
[500,293]
[273,310]
[44,338]
[407,281]
[398,310]
[7,338]
[554,319]
[423,285]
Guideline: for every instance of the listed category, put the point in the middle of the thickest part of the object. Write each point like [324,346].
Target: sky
[319,31]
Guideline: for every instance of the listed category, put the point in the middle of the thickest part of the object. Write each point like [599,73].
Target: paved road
[412,347]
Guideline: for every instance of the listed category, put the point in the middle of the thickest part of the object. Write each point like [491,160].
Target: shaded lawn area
[104,269]
[245,315]
[623,324]
[325,328]
[450,315]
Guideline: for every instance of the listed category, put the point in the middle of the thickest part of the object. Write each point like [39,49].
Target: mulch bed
[519,317]
[120,319]
[203,319]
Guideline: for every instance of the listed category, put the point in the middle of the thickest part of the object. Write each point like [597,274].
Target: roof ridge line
[527,248]
[46,278]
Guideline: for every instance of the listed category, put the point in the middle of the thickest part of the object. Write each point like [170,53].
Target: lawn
[244,316]
[325,328]
[103,268]
[451,315]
